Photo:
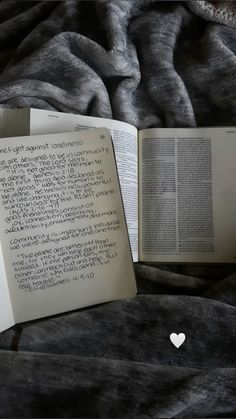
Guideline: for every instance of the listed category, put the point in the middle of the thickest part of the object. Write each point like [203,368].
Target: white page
[188,195]
[65,242]
[126,150]
[6,314]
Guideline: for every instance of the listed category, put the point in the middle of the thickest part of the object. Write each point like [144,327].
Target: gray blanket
[153,64]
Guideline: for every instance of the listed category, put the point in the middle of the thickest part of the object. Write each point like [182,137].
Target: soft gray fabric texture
[153,64]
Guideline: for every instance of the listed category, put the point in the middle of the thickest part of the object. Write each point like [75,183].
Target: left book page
[6,314]
[29,121]
[63,231]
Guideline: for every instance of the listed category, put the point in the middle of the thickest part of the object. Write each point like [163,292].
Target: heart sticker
[177,340]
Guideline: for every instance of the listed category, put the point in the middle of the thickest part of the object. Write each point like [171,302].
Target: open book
[178,185]
[63,235]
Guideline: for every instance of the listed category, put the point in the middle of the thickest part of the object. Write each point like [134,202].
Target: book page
[187,195]
[126,150]
[63,231]
[6,314]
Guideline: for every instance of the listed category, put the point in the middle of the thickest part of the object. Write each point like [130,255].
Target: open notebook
[63,235]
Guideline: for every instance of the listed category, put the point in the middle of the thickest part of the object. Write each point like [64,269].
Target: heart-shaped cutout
[177,340]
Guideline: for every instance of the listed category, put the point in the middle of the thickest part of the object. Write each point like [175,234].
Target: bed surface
[152,64]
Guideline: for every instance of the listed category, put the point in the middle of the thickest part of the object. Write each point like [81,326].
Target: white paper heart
[177,340]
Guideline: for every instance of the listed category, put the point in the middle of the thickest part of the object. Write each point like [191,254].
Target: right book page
[187,195]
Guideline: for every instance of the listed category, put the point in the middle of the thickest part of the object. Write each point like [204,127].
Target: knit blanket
[152,64]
